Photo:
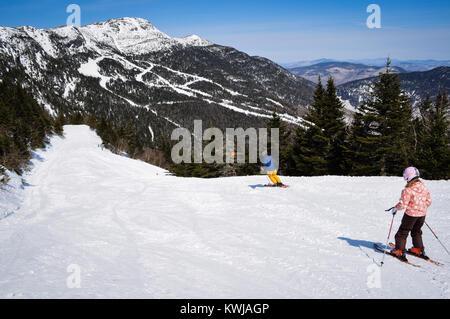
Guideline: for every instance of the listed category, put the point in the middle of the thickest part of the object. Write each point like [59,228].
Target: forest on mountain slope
[383,138]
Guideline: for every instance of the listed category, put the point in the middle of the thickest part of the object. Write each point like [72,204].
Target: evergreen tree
[108,134]
[59,123]
[311,146]
[133,145]
[24,125]
[382,131]
[334,129]
[92,122]
[433,138]
[309,152]
[77,119]
[248,168]
[284,141]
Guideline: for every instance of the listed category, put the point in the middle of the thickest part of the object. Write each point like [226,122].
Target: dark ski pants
[413,225]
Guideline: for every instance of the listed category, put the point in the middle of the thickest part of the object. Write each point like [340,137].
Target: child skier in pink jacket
[416,199]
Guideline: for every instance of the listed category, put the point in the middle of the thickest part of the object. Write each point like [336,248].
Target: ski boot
[279,185]
[400,254]
[419,252]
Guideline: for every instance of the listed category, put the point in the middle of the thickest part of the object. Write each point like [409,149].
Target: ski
[272,185]
[392,245]
[388,252]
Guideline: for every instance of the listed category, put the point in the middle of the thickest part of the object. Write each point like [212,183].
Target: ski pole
[389,235]
[437,238]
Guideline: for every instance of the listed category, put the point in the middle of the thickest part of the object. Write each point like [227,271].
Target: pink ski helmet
[410,173]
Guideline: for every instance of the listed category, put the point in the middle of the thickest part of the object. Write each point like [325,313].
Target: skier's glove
[393,210]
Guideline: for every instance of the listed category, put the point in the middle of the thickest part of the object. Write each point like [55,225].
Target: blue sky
[283,30]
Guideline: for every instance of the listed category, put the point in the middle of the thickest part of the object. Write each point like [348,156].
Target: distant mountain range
[354,79]
[127,70]
[306,63]
[407,65]
[341,72]
[415,84]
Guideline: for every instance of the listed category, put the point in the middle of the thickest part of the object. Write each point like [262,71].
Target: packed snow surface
[125,229]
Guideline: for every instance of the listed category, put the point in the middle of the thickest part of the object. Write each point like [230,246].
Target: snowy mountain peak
[194,40]
[125,24]
[137,35]
[126,35]
[132,20]
[26,28]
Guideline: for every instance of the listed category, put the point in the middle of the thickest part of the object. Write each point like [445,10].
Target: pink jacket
[416,199]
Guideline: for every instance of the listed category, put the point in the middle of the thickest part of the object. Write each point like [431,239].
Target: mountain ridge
[127,70]
[410,65]
[341,72]
[416,85]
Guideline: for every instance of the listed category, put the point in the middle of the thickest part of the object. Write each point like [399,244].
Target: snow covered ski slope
[93,224]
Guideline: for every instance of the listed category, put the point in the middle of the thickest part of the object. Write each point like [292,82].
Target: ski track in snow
[136,232]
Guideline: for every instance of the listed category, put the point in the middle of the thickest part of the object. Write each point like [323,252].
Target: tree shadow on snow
[26,184]
[37,156]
